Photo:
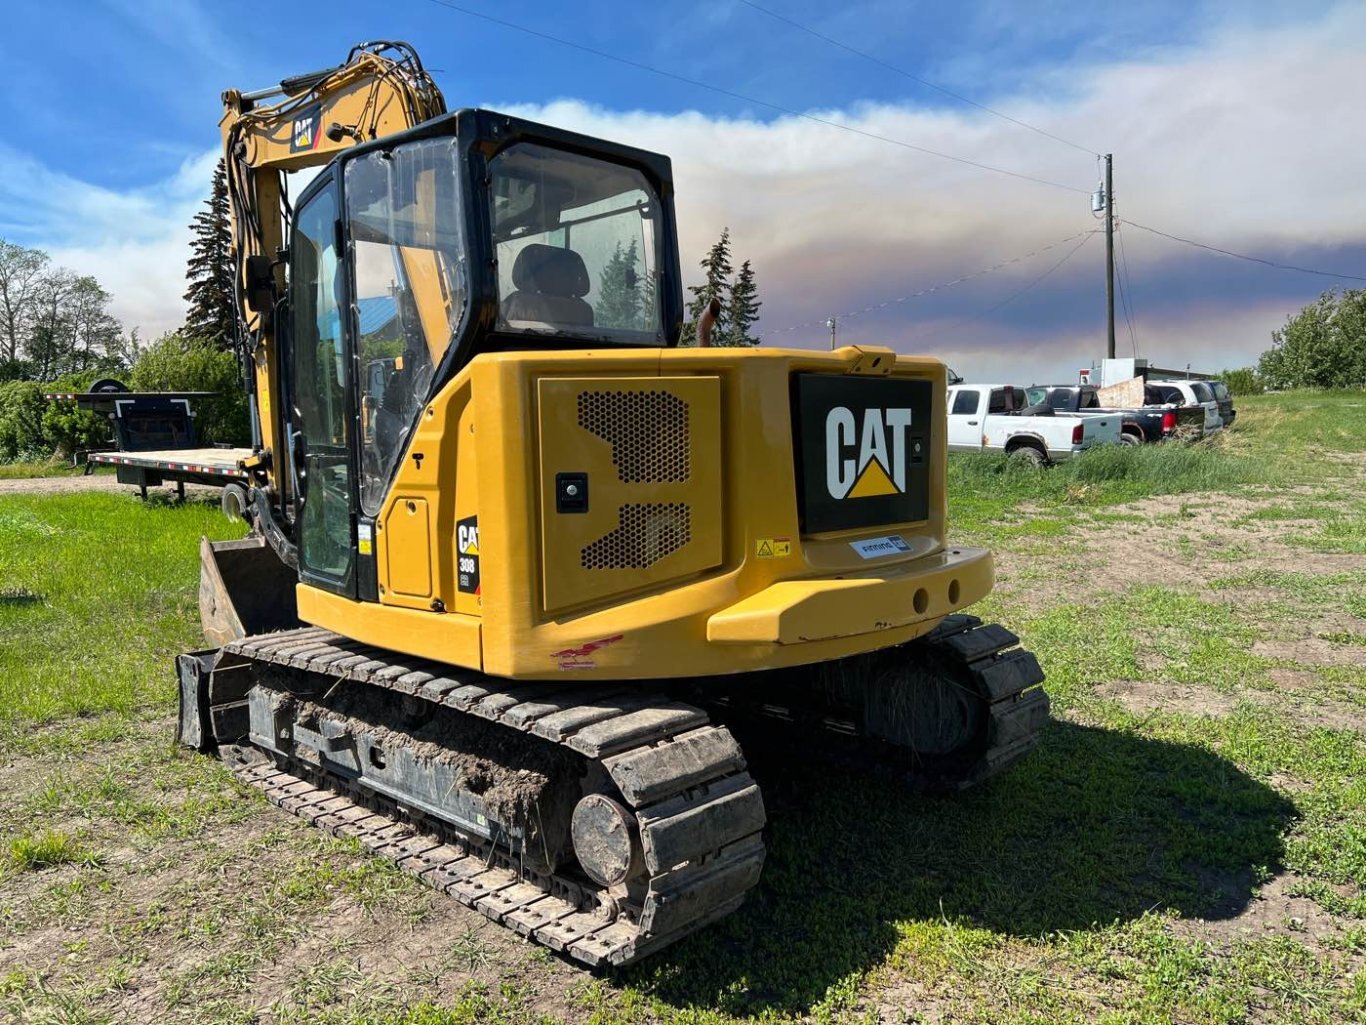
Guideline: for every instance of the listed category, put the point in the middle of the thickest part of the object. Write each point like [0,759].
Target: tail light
[1077,433]
[1169,421]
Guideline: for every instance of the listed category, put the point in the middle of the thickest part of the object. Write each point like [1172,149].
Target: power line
[914,78]
[1244,256]
[791,112]
[934,288]
[1126,289]
[1016,294]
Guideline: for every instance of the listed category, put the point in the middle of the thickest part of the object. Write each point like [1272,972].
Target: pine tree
[212,315]
[618,298]
[742,311]
[717,265]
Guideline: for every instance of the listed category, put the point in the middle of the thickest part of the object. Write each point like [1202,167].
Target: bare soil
[1182,541]
[1144,696]
[79,483]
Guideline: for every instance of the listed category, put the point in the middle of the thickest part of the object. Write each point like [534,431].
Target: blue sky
[1218,115]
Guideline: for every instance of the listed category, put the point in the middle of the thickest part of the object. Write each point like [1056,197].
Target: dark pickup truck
[1136,425]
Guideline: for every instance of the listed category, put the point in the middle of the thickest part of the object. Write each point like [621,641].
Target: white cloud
[134,242]
[1245,140]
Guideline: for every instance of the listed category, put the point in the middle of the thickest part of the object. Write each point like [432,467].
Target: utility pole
[1110,255]
[831,325]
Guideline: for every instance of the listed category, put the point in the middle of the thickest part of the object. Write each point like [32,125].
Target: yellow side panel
[408,553]
[466,487]
[449,638]
[650,449]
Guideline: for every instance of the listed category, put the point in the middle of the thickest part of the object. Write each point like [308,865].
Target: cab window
[577,243]
[408,261]
[965,402]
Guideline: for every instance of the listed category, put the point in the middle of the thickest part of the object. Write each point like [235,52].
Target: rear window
[1061,398]
[1202,391]
[1220,391]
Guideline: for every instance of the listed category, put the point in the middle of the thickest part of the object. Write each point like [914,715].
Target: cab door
[965,420]
[318,394]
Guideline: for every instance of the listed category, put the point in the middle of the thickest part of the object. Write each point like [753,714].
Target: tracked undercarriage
[605,821]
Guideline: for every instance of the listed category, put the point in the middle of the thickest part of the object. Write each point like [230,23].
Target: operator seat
[550,284]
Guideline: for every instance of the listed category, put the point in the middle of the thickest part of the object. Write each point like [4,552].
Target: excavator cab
[475,232]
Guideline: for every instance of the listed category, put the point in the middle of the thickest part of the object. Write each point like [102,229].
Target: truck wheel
[234,502]
[1129,438]
[1028,455]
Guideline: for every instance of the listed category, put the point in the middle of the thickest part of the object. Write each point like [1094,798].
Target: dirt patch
[78,483]
[1180,541]
[1293,679]
[1145,696]
[906,1001]
[1273,911]
[1313,651]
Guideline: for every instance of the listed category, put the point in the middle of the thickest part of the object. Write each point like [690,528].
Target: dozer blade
[244,589]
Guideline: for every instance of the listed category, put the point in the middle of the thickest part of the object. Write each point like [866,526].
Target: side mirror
[260,284]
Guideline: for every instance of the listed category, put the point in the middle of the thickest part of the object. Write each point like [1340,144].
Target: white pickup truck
[988,418]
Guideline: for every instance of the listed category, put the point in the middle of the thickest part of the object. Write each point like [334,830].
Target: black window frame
[346,584]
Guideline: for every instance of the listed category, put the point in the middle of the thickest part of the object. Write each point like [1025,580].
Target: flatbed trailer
[214,467]
[155,442]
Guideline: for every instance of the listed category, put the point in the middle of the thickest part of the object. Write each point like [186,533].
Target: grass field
[1187,844]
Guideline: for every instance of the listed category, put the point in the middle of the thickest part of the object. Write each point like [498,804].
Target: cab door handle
[972,423]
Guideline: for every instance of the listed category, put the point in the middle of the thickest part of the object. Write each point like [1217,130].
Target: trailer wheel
[234,502]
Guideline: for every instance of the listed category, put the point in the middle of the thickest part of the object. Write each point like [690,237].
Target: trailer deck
[212,466]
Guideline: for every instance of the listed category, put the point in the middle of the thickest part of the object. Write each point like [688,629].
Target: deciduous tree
[21,276]
[1322,346]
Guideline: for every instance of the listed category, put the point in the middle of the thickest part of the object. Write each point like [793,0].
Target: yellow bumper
[800,611]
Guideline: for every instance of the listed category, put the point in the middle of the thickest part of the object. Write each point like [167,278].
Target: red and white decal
[581,657]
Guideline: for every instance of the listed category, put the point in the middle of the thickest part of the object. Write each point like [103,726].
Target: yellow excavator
[520,567]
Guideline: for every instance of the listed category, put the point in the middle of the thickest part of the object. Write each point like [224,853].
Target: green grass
[37,468]
[28,853]
[1089,884]
[1278,441]
[99,595]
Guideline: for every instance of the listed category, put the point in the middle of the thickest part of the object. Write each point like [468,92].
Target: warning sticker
[467,554]
[365,539]
[773,547]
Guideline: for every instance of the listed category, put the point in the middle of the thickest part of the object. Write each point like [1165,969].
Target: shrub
[1242,382]
[66,427]
[21,421]
[177,363]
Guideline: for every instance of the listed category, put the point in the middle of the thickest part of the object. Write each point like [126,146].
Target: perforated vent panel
[648,432]
[645,533]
